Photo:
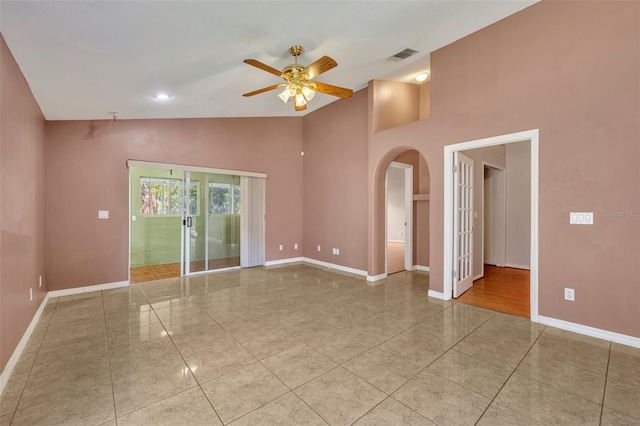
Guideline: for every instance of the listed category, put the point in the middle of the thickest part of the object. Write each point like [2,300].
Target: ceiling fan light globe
[308,92]
[292,89]
[300,100]
[284,95]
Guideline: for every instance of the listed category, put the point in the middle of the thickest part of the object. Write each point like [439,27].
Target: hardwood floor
[141,274]
[502,289]
[395,257]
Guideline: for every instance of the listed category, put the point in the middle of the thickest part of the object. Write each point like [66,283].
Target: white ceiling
[83,59]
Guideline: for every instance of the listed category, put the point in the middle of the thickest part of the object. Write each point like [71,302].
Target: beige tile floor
[298,345]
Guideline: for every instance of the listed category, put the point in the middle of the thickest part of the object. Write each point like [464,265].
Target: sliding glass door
[189,220]
[211,221]
[223,220]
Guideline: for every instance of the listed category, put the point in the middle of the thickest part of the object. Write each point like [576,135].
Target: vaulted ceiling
[84,59]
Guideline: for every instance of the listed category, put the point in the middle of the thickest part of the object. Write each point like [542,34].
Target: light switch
[133,218]
[581,218]
[103,214]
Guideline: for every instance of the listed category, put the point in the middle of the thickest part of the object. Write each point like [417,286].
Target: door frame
[503,207]
[408,214]
[448,265]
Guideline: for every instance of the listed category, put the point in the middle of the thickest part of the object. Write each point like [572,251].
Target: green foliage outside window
[163,197]
[224,198]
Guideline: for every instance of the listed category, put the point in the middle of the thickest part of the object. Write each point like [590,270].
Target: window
[163,197]
[224,198]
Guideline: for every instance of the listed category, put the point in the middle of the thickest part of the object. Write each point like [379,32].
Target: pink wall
[396,103]
[335,182]
[86,172]
[570,69]
[425,100]
[22,238]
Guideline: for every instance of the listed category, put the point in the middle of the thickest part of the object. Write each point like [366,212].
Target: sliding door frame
[183,168]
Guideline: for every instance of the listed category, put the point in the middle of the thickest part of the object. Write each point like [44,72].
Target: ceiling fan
[298,80]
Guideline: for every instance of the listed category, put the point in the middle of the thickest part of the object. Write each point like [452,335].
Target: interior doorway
[454,219]
[188,220]
[494,215]
[399,207]
[496,286]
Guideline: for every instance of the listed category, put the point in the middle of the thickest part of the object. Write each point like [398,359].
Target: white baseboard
[411,268]
[284,261]
[335,266]
[512,265]
[374,278]
[591,331]
[11,364]
[422,268]
[436,295]
[396,241]
[87,289]
[477,277]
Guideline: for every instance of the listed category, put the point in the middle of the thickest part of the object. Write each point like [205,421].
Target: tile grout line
[206,312]
[357,355]
[15,410]
[106,336]
[198,384]
[508,378]
[388,395]
[606,377]
[265,366]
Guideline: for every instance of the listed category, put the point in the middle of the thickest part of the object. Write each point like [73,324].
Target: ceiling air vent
[404,54]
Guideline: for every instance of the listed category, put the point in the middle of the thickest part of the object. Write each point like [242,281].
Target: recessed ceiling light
[422,76]
[162,96]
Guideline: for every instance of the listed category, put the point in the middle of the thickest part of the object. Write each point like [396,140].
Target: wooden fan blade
[264,89]
[328,89]
[300,108]
[323,64]
[263,67]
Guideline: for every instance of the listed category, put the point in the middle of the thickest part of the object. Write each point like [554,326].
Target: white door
[462,224]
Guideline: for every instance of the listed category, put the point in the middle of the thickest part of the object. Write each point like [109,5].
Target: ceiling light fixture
[298,80]
[423,76]
[162,97]
[297,87]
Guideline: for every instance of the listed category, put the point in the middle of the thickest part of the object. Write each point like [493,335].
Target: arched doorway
[406,211]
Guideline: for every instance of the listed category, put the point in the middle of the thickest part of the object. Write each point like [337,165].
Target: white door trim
[185,168]
[528,135]
[408,208]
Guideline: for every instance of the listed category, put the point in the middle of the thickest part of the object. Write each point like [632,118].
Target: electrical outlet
[295,246]
[280,247]
[318,247]
[30,294]
[569,294]
[40,281]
